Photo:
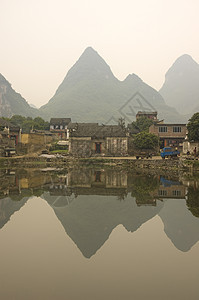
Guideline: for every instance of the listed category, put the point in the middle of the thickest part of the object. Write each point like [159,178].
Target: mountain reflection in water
[91,203]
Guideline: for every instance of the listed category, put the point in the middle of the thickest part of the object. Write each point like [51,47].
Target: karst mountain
[12,103]
[91,93]
[181,86]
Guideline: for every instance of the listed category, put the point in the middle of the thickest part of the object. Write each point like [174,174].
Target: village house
[172,135]
[152,115]
[88,139]
[34,141]
[59,126]
[170,189]
[10,131]
[10,136]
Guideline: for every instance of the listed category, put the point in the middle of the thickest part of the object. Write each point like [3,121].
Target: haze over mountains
[91,93]
[181,86]
[12,103]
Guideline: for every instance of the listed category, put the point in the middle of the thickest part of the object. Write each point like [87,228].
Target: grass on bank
[59,151]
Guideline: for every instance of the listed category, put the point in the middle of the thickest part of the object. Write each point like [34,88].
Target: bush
[145,140]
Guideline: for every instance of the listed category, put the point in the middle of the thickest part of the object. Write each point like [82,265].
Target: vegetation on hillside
[193,128]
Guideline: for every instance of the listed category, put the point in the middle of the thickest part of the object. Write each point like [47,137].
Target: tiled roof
[94,130]
[60,121]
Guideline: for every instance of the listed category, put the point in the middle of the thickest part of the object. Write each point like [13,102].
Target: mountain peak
[185,62]
[181,84]
[185,57]
[90,50]
[90,67]
[91,93]
[133,78]
[91,58]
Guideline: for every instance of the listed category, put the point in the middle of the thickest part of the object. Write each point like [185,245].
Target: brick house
[88,139]
[172,135]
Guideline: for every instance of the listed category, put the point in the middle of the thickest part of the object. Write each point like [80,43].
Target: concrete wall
[169,134]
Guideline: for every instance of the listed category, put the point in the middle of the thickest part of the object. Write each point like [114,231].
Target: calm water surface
[98,234]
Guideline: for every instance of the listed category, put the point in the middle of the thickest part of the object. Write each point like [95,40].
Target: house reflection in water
[171,189]
[85,200]
[87,181]
[9,183]
[97,182]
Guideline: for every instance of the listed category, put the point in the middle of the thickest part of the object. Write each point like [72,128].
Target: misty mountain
[90,219]
[8,207]
[91,93]
[32,105]
[181,86]
[12,103]
[179,224]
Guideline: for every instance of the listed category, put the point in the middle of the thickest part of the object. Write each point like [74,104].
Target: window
[176,193]
[162,193]
[162,129]
[176,129]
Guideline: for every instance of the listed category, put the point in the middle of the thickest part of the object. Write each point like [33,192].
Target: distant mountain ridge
[12,103]
[181,86]
[90,92]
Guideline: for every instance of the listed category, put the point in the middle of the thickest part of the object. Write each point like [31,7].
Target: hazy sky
[42,39]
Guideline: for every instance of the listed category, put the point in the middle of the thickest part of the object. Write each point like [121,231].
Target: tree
[121,122]
[193,128]
[17,120]
[40,124]
[145,140]
[193,200]
[142,124]
[27,124]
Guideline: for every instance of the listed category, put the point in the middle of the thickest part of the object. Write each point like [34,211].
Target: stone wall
[85,147]
[102,147]
[80,147]
[117,146]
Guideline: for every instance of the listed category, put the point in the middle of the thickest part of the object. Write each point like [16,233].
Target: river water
[98,234]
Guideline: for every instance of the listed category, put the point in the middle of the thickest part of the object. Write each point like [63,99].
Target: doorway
[98,148]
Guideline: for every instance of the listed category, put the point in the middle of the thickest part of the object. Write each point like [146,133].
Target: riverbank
[154,165]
